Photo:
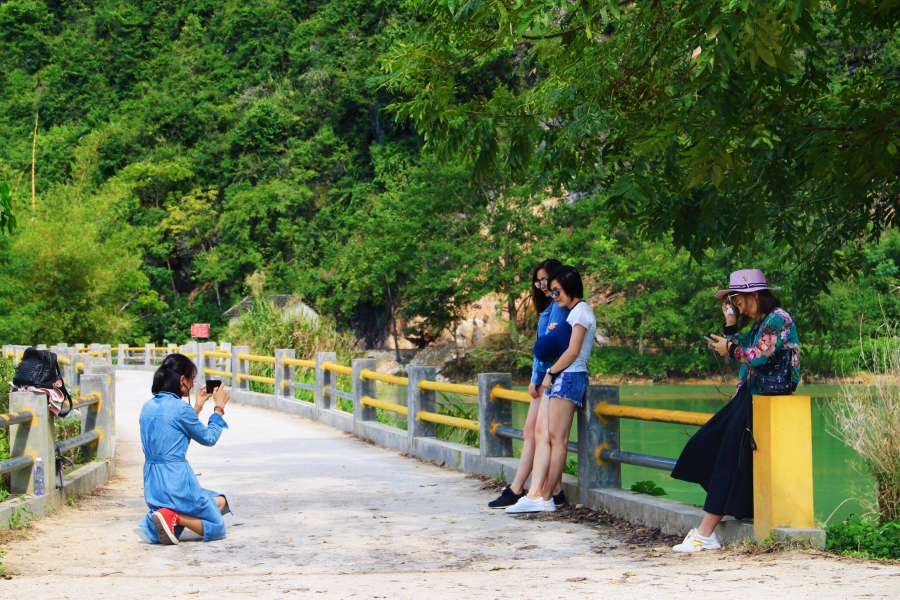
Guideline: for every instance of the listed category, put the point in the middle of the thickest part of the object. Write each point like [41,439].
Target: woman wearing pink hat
[720,455]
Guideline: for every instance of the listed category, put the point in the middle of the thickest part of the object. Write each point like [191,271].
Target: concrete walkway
[319,512]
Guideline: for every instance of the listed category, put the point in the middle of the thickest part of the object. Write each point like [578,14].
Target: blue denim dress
[168,424]
[552,314]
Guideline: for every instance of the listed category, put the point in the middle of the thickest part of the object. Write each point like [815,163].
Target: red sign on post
[200,330]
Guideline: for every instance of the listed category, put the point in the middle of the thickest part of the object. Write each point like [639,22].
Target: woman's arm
[773,334]
[206,435]
[571,353]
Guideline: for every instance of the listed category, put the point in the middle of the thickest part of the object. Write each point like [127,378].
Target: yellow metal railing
[375,376]
[453,388]
[342,369]
[445,420]
[10,354]
[208,371]
[216,354]
[499,393]
[259,378]
[135,348]
[299,362]
[399,408]
[79,366]
[660,415]
[256,358]
[160,348]
[190,354]
[63,360]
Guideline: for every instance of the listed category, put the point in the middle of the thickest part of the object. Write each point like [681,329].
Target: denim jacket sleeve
[206,435]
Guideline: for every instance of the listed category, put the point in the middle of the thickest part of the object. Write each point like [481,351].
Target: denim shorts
[571,387]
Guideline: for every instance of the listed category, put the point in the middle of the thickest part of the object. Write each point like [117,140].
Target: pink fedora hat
[746,281]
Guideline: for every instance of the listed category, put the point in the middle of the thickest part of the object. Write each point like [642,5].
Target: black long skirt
[720,458]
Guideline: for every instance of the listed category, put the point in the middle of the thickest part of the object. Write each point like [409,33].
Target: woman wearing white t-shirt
[567,381]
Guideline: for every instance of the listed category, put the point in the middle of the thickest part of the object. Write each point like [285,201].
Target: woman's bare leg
[708,525]
[193,523]
[561,413]
[527,457]
[541,461]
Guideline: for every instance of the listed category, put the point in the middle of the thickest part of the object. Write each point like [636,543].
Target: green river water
[835,479]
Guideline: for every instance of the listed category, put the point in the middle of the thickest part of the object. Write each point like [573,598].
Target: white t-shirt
[582,315]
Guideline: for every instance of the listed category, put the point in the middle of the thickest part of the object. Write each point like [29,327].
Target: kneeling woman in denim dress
[168,424]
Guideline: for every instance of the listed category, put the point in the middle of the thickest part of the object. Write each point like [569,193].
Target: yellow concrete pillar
[782,463]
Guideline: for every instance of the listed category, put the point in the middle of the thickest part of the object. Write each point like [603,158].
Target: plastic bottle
[38,477]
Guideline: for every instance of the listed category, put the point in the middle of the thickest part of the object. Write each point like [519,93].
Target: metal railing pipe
[216,354]
[255,358]
[453,388]
[13,418]
[374,402]
[499,393]
[208,371]
[376,376]
[14,464]
[659,415]
[431,417]
[338,393]
[336,368]
[257,378]
[299,362]
[90,399]
[79,440]
[639,460]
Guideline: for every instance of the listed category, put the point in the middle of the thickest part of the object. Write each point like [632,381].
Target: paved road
[320,512]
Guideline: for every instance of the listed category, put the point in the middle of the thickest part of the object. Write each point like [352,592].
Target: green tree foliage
[715,123]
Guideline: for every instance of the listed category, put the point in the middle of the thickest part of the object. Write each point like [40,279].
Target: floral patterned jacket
[765,338]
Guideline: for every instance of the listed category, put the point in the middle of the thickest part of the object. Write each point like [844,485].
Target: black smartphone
[211,385]
[710,340]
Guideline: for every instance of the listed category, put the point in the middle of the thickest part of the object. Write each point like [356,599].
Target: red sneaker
[165,520]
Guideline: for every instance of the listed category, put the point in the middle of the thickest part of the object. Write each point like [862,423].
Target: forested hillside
[178,147]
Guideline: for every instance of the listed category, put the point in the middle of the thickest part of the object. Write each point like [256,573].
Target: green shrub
[865,538]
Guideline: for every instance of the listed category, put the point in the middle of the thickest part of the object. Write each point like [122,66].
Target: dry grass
[867,418]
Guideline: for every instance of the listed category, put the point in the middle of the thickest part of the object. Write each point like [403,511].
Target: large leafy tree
[717,123]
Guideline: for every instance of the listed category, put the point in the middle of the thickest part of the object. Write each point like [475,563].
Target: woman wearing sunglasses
[567,382]
[720,455]
[549,313]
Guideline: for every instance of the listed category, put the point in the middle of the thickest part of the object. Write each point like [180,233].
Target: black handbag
[39,368]
[773,378]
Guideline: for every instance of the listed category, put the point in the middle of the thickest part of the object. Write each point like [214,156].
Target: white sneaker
[527,505]
[694,542]
[550,505]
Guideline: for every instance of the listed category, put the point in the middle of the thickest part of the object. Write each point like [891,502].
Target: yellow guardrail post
[363,387]
[99,416]
[493,413]
[325,379]
[122,355]
[36,439]
[238,367]
[204,361]
[109,398]
[782,464]
[597,433]
[284,373]
[420,400]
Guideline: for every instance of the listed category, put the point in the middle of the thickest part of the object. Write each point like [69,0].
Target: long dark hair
[538,299]
[766,303]
[168,376]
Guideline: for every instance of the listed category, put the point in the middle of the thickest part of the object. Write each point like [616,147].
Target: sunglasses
[555,292]
[541,283]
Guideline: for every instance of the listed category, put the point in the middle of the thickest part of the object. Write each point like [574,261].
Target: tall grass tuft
[867,418]
[266,328]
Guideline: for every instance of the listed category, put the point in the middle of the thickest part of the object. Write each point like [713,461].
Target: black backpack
[39,368]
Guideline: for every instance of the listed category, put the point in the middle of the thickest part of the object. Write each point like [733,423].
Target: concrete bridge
[320,513]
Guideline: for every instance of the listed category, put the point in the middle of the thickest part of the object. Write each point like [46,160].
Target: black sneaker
[560,499]
[507,498]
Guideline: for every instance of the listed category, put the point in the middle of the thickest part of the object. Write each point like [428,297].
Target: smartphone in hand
[211,385]
[710,340]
